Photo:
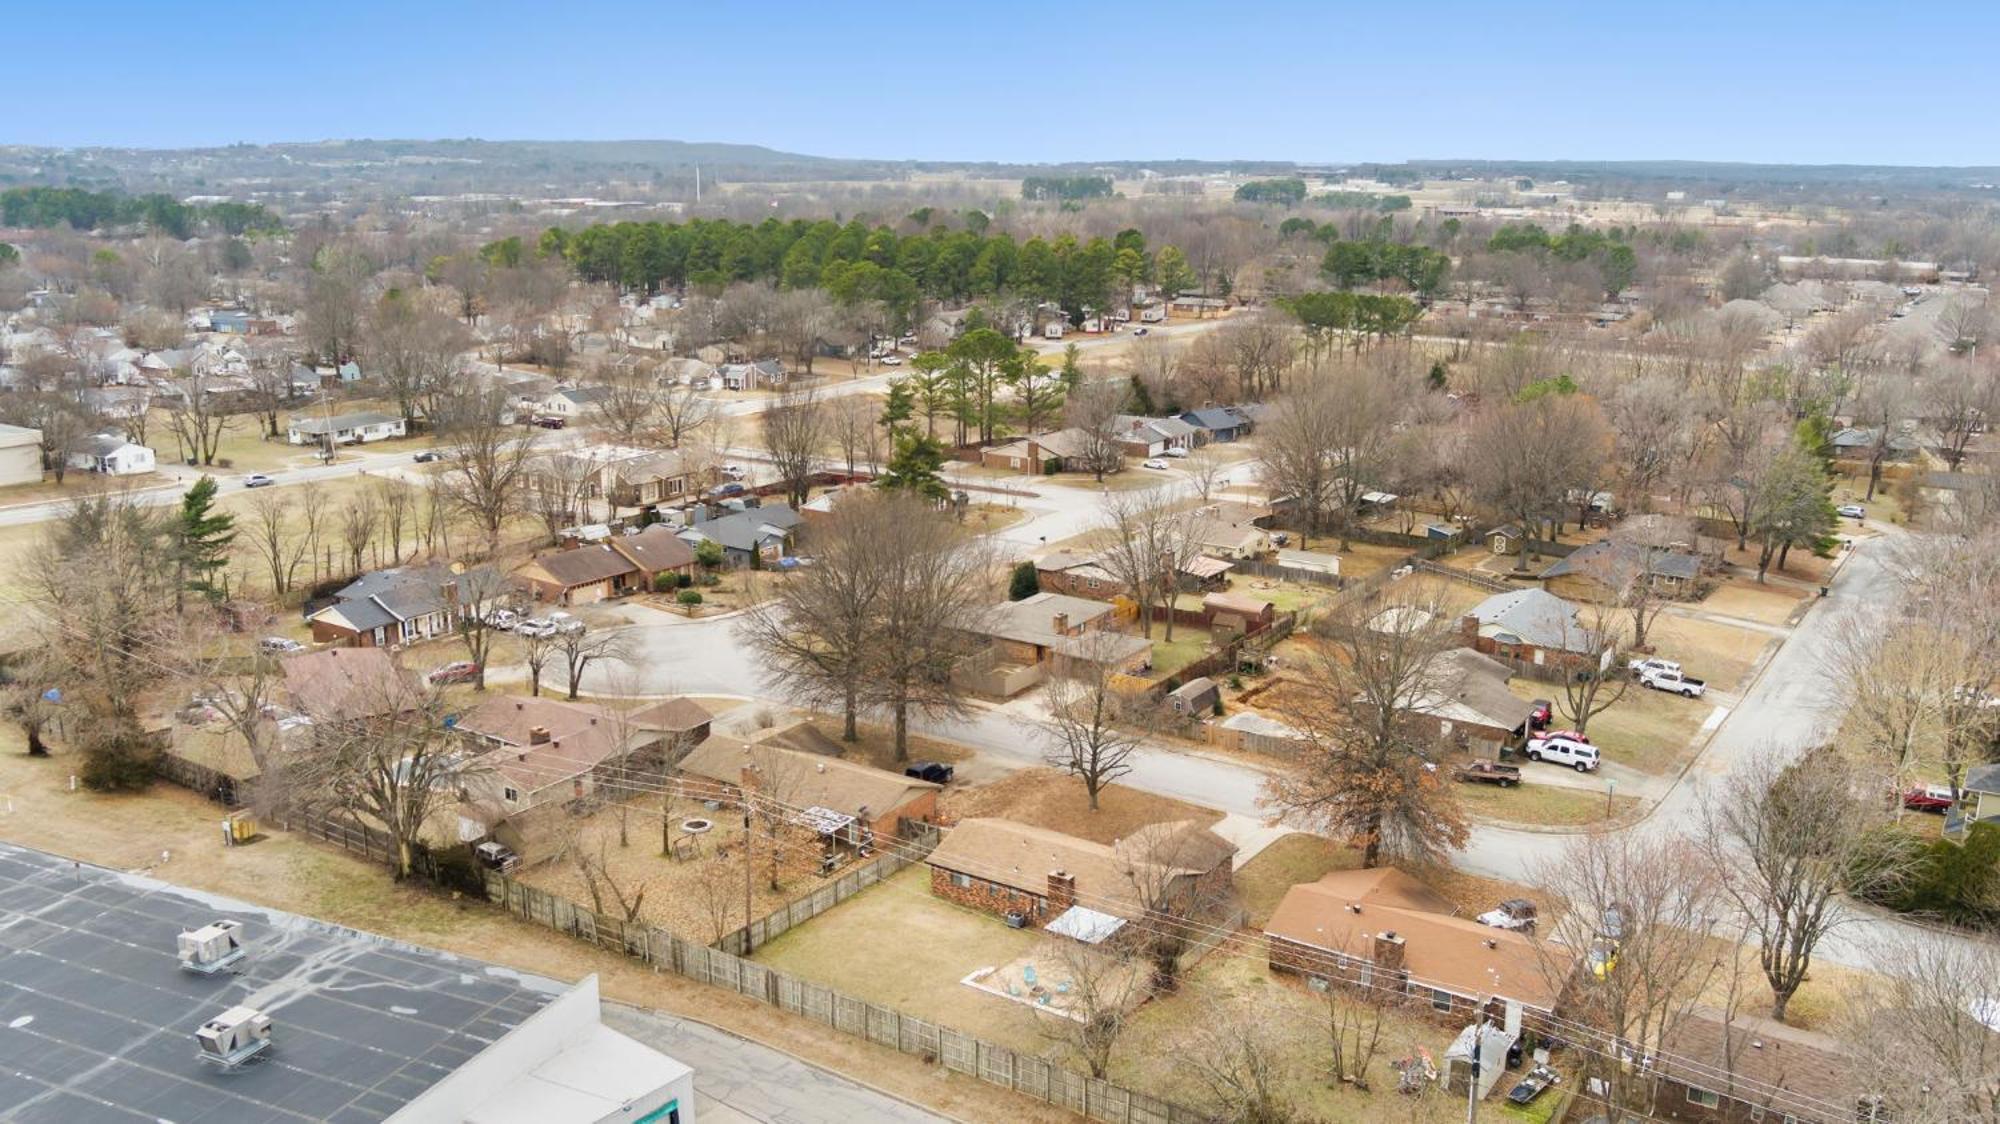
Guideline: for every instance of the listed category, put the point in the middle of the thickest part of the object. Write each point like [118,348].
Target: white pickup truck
[1663,679]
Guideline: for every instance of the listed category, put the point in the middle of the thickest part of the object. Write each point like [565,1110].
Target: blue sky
[1757,80]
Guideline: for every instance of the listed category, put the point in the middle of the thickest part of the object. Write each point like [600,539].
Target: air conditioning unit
[234,1036]
[213,947]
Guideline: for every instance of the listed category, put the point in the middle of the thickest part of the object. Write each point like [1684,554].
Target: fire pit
[696,826]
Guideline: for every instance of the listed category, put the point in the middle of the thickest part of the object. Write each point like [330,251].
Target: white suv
[1563,749]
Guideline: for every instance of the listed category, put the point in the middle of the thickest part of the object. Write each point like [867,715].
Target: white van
[1559,749]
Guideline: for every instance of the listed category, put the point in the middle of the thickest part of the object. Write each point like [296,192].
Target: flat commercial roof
[97,1018]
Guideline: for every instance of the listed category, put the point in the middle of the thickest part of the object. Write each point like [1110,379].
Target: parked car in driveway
[730,489]
[1852,511]
[1517,914]
[566,624]
[535,627]
[1673,682]
[279,645]
[457,671]
[502,619]
[1155,463]
[1564,748]
[549,423]
[257,480]
[1489,772]
[1640,667]
[1928,798]
[427,456]
[1177,452]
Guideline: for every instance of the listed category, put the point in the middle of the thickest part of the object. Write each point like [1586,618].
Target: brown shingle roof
[1783,1069]
[581,737]
[1023,856]
[805,779]
[676,715]
[654,549]
[1454,953]
[582,566]
[347,684]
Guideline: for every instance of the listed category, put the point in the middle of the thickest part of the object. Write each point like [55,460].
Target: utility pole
[1472,1083]
[747,868]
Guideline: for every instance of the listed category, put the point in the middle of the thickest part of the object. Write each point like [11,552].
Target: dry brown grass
[1743,597]
[1721,654]
[1057,801]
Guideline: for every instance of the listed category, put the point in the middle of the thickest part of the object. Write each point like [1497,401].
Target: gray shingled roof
[1666,564]
[1534,616]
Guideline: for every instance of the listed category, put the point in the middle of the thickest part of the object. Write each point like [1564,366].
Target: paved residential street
[736,1079]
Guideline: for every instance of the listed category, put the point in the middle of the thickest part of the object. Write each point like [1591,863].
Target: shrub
[689,597]
[666,580]
[1218,706]
[1025,583]
[684,579]
[1958,882]
[709,553]
[117,757]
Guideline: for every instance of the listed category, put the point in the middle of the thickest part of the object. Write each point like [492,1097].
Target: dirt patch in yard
[1057,801]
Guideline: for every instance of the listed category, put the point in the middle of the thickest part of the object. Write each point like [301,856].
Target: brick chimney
[1389,951]
[538,735]
[1060,623]
[1062,889]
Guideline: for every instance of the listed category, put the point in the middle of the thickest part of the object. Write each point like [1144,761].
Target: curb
[776,1049]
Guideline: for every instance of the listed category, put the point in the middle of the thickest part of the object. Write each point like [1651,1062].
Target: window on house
[1704,1098]
[962,881]
[1440,999]
[510,794]
[1366,976]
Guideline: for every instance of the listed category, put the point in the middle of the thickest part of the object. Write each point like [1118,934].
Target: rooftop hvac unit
[213,947]
[234,1036]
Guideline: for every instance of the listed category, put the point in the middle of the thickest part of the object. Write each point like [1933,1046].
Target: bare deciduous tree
[795,429]
[820,630]
[488,466]
[1092,728]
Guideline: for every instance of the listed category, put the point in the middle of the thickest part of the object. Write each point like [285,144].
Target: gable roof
[581,566]
[654,549]
[344,684]
[1344,910]
[381,596]
[808,779]
[1063,443]
[1215,419]
[1031,620]
[743,530]
[676,715]
[1593,558]
[1533,616]
[584,395]
[1468,686]
[581,737]
[1022,856]
[340,422]
[1786,1070]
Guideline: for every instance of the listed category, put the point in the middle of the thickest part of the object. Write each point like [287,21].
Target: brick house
[386,607]
[1002,867]
[1735,1070]
[1068,449]
[1595,572]
[1383,930]
[875,799]
[583,576]
[1035,629]
[536,751]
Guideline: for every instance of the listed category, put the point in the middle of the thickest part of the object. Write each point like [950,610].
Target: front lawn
[1542,804]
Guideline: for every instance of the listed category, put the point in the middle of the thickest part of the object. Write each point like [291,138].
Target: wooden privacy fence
[884,1026]
[918,841]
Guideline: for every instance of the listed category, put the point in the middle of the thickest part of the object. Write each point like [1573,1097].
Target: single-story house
[1978,801]
[20,455]
[398,606]
[764,531]
[656,550]
[113,455]
[1469,701]
[678,718]
[346,685]
[861,797]
[1218,423]
[119,403]
[1151,437]
[1857,443]
[582,576]
[1595,572]
[1003,867]
[1256,733]
[645,481]
[1197,304]
[1036,629]
[1713,1067]
[539,750]
[750,376]
[1068,449]
[345,429]
[1232,541]
[571,402]
[1383,930]
[1533,626]
[1084,575]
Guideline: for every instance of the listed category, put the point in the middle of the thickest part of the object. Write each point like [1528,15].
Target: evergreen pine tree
[201,538]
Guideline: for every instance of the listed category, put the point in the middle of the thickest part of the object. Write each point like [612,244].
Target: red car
[549,423]
[1928,798]
[458,671]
